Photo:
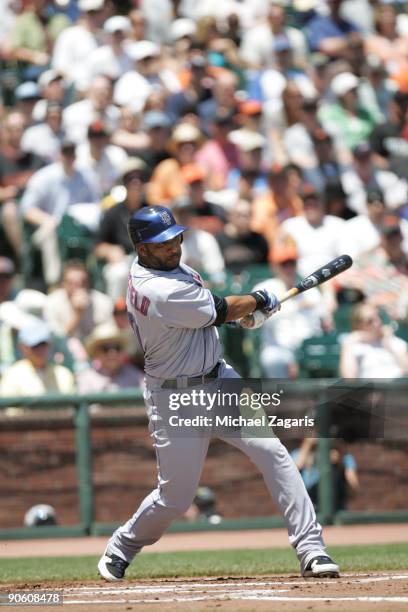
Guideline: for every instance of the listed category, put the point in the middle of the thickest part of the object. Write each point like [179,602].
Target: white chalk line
[237,590]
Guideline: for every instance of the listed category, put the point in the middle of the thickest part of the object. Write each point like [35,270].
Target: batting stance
[175,318]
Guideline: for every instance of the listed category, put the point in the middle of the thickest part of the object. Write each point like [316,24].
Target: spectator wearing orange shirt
[278,204]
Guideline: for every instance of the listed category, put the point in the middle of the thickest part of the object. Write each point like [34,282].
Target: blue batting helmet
[153,224]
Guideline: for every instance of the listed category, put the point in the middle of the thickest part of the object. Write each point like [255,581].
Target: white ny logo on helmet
[165,217]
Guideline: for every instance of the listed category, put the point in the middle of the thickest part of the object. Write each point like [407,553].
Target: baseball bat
[320,276]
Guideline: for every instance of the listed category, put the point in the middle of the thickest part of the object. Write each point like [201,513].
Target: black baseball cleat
[111,567]
[321,567]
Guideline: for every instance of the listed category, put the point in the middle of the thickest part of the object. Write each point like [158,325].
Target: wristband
[260,299]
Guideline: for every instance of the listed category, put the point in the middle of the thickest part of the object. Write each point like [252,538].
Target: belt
[177,383]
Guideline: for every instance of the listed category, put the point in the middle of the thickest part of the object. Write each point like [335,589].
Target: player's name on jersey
[271,420]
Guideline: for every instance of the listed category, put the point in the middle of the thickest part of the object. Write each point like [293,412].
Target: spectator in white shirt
[100,158]
[316,234]
[301,318]
[112,59]
[44,139]
[96,105]
[363,176]
[75,44]
[372,350]
[363,233]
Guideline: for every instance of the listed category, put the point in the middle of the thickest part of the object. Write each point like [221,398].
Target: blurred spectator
[198,89]
[204,507]
[198,244]
[133,346]
[157,126]
[258,41]
[16,168]
[316,234]
[219,155]
[137,24]
[386,42]
[240,245]
[75,44]
[223,95]
[330,34]
[279,203]
[204,215]
[112,59]
[30,35]
[44,139]
[328,166]
[106,347]
[96,105]
[75,309]
[347,120]
[134,87]
[7,278]
[303,318]
[112,241]
[128,134]
[335,199]
[363,176]
[27,95]
[50,194]
[372,350]
[52,87]
[100,158]
[35,374]
[382,274]
[363,233]
[167,182]
[251,145]
[389,142]
[39,515]
[345,480]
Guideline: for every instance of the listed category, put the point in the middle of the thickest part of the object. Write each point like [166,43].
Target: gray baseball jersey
[172,313]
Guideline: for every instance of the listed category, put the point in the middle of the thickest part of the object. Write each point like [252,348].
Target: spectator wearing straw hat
[106,346]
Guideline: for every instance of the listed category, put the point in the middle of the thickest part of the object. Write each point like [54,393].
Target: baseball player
[175,318]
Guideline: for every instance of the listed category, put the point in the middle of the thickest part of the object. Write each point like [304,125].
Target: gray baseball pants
[180,462]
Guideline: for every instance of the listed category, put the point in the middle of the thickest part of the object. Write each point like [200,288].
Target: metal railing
[318,389]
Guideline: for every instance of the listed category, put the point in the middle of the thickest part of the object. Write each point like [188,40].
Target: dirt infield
[352,592]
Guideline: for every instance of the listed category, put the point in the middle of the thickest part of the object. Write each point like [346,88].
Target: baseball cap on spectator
[362,150]
[142,50]
[375,195]
[27,91]
[247,140]
[156,119]
[224,116]
[283,253]
[7,267]
[96,129]
[390,225]
[185,132]
[303,6]
[250,107]
[31,302]
[48,77]
[193,173]
[281,43]
[343,83]
[131,166]
[87,6]
[34,335]
[117,23]
[307,190]
[67,145]
[181,28]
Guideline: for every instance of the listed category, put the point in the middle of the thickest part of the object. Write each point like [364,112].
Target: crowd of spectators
[277,130]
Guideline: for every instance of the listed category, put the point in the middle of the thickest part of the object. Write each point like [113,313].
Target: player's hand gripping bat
[320,276]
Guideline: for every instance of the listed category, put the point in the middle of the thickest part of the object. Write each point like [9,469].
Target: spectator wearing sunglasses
[35,374]
[110,370]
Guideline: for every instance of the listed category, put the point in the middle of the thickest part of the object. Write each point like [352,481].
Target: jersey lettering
[141,303]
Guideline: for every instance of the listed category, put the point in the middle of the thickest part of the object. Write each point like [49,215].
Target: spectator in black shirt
[388,141]
[239,245]
[113,243]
